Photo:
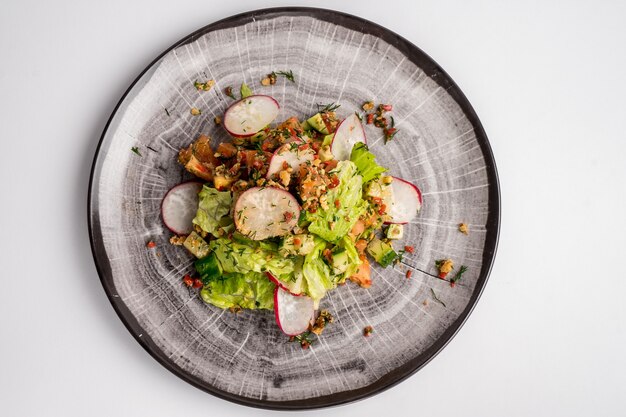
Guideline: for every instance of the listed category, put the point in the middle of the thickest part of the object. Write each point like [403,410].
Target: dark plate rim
[399,374]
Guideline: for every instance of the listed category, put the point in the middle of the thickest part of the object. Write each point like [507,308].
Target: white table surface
[547,80]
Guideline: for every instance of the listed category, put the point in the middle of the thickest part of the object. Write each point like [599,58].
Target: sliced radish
[248,116]
[292,154]
[293,313]
[349,132]
[263,212]
[294,287]
[179,207]
[407,201]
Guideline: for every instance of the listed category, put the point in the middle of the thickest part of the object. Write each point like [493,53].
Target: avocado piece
[328,140]
[317,123]
[382,252]
[208,268]
[395,231]
[288,246]
[196,245]
[341,262]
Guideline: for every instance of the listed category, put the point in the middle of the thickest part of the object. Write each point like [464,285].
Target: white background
[547,80]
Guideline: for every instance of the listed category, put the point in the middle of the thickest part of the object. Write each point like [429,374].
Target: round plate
[334,57]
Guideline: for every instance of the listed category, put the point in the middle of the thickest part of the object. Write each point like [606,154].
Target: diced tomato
[188,280]
[370,119]
[151,244]
[197,283]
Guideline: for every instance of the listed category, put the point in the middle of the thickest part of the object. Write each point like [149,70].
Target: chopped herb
[229,92]
[152,149]
[304,339]
[166,112]
[327,108]
[437,298]
[287,74]
[458,275]
[359,116]
[136,150]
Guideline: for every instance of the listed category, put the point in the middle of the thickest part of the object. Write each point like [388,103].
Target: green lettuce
[365,162]
[316,272]
[334,223]
[351,256]
[244,257]
[213,209]
[252,290]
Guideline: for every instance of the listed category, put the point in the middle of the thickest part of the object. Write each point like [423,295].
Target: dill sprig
[458,275]
[437,298]
[321,108]
[287,74]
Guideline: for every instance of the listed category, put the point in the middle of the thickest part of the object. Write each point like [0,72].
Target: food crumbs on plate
[206,86]
[136,150]
[303,338]
[444,266]
[217,120]
[197,283]
[188,280]
[229,92]
[367,331]
[235,309]
[195,111]
[463,228]
[368,106]
[177,240]
[425,302]
[151,244]
[409,273]
[409,249]
[320,323]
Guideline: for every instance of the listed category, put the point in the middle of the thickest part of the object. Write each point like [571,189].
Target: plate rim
[397,375]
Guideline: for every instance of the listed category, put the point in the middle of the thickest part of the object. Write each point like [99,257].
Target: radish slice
[179,207]
[407,201]
[349,132]
[248,116]
[292,155]
[263,212]
[293,313]
[294,287]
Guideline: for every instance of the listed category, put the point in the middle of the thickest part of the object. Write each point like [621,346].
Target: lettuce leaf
[316,272]
[352,256]
[334,223]
[365,162]
[252,290]
[243,257]
[213,208]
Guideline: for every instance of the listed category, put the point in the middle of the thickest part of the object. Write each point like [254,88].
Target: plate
[334,57]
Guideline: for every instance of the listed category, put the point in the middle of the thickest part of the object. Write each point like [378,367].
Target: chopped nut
[266,81]
[285,178]
[367,331]
[368,105]
[195,111]
[177,240]
[387,179]
[463,228]
[218,120]
[321,321]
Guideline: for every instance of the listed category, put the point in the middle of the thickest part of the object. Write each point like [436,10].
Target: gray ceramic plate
[335,58]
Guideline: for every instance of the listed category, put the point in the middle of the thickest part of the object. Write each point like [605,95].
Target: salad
[281,215]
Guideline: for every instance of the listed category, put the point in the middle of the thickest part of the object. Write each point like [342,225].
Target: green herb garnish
[287,74]
[136,150]
[437,298]
[245,91]
[321,108]
[458,275]
[229,92]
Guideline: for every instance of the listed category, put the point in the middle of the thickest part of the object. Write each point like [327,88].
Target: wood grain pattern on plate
[335,58]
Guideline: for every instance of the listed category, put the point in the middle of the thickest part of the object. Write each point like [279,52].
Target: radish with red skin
[349,132]
[248,116]
[293,313]
[294,287]
[264,212]
[406,202]
[179,207]
[292,155]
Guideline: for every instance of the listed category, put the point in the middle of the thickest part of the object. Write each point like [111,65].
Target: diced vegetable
[300,244]
[196,245]
[395,231]
[382,252]
[316,122]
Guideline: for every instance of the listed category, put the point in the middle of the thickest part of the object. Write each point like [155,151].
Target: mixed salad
[281,215]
